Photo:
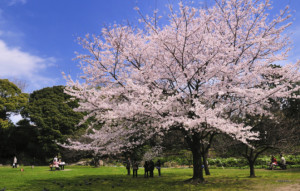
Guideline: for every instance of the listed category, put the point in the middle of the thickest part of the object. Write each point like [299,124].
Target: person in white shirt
[15,162]
[282,162]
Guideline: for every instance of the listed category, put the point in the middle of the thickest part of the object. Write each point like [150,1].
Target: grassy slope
[115,178]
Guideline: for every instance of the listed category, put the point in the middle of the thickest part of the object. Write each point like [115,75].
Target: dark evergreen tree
[51,112]
[12,101]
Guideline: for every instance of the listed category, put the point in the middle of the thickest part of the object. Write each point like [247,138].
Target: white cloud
[10,34]
[13,2]
[15,63]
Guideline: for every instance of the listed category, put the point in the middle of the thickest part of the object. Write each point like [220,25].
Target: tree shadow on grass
[228,183]
[169,181]
[124,182]
[104,182]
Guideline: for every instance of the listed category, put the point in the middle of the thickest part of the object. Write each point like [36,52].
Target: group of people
[149,167]
[57,164]
[274,162]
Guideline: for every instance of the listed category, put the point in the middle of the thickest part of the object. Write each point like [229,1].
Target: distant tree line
[47,118]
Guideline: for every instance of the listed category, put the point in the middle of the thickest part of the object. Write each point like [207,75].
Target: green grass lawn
[115,178]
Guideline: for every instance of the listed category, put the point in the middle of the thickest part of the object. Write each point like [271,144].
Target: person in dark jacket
[135,167]
[158,165]
[146,167]
[128,166]
[151,168]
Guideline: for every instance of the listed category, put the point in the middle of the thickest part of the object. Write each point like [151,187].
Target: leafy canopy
[51,111]
[12,100]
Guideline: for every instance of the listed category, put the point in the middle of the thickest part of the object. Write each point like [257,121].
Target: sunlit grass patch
[115,178]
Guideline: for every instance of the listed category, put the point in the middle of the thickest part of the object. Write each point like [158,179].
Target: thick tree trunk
[197,160]
[197,165]
[194,143]
[204,151]
[206,165]
[251,161]
[251,165]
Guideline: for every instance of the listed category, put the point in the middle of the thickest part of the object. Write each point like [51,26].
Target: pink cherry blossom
[206,66]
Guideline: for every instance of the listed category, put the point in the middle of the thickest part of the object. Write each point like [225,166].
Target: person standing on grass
[15,162]
[146,167]
[128,166]
[151,168]
[135,168]
[158,165]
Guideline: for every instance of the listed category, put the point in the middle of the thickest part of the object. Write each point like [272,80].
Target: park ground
[114,178]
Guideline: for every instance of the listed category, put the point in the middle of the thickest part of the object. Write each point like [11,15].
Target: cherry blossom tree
[196,73]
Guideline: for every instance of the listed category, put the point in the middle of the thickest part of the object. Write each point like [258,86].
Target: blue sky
[38,37]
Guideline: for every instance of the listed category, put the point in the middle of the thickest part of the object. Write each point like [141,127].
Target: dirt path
[291,187]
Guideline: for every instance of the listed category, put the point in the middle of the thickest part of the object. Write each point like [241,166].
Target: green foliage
[4,124]
[261,162]
[12,100]
[293,159]
[51,112]
[184,158]
[227,162]
[7,146]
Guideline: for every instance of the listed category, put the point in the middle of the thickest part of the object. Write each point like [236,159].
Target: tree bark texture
[206,165]
[197,159]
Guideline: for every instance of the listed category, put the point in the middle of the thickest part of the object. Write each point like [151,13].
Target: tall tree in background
[51,112]
[197,73]
[291,112]
[279,134]
[12,101]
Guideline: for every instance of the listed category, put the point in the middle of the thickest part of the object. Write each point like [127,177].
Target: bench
[61,166]
[282,166]
[52,167]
